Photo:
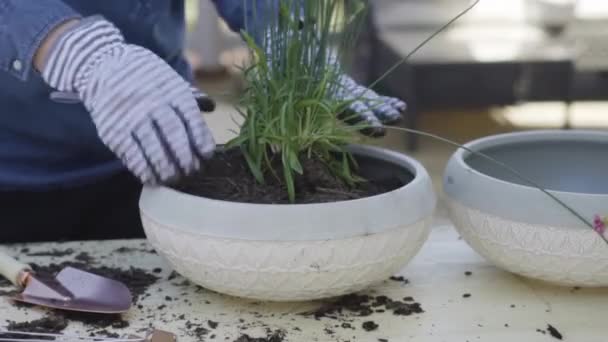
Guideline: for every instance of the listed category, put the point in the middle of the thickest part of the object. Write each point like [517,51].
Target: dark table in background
[469,65]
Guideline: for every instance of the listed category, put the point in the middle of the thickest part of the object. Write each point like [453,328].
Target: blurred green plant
[191,13]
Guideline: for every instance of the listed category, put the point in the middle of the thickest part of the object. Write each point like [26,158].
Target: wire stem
[423,43]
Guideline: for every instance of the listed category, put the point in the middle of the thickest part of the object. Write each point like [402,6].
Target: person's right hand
[144,111]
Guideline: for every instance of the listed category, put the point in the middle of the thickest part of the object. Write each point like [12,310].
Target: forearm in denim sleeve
[251,16]
[23,26]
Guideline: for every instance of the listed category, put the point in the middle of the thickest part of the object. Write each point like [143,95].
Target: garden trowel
[71,289]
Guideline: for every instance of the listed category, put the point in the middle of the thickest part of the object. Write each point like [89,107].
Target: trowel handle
[13,270]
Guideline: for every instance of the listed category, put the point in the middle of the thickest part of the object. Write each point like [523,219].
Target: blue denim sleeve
[247,15]
[23,25]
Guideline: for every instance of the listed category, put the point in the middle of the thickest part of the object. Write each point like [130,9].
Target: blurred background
[507,65]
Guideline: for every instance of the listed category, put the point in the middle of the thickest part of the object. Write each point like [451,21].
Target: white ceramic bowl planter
[294,252]
[519,228]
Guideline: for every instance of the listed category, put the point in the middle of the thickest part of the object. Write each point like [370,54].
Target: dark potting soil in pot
[227,177]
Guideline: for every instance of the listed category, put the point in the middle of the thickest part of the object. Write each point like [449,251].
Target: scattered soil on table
[124,250]
[400,279]
[276,336]
[106,333]
[197,330]
[363,306]
[53,253]
[84,257]
[173,275]
[8,293]
[96,321]
[53,324]
[56,322]
[554,332]
[369,326]
[343,309]
[466,295]
[136,279]
[468,273]
[200,332]
[227,177]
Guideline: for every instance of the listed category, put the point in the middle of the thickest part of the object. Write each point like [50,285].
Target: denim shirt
[44,144]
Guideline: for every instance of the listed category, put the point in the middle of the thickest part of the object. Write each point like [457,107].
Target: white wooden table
[501,306]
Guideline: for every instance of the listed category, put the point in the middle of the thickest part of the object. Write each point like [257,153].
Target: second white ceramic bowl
[516,226]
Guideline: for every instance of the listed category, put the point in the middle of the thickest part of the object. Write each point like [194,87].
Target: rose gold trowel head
[71,289]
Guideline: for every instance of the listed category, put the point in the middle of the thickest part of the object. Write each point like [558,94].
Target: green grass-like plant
[289,105]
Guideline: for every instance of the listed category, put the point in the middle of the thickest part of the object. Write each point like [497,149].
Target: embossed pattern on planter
[287,270]
[563,256]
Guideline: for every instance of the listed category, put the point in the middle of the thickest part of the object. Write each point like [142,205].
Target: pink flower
[599,224]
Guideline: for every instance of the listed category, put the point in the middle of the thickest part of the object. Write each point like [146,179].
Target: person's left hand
[366,107]
[369,107]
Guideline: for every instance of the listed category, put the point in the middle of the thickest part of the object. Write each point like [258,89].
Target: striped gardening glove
[369,107]
[144,111]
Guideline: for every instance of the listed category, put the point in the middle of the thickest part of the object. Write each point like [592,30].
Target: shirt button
[17,65]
